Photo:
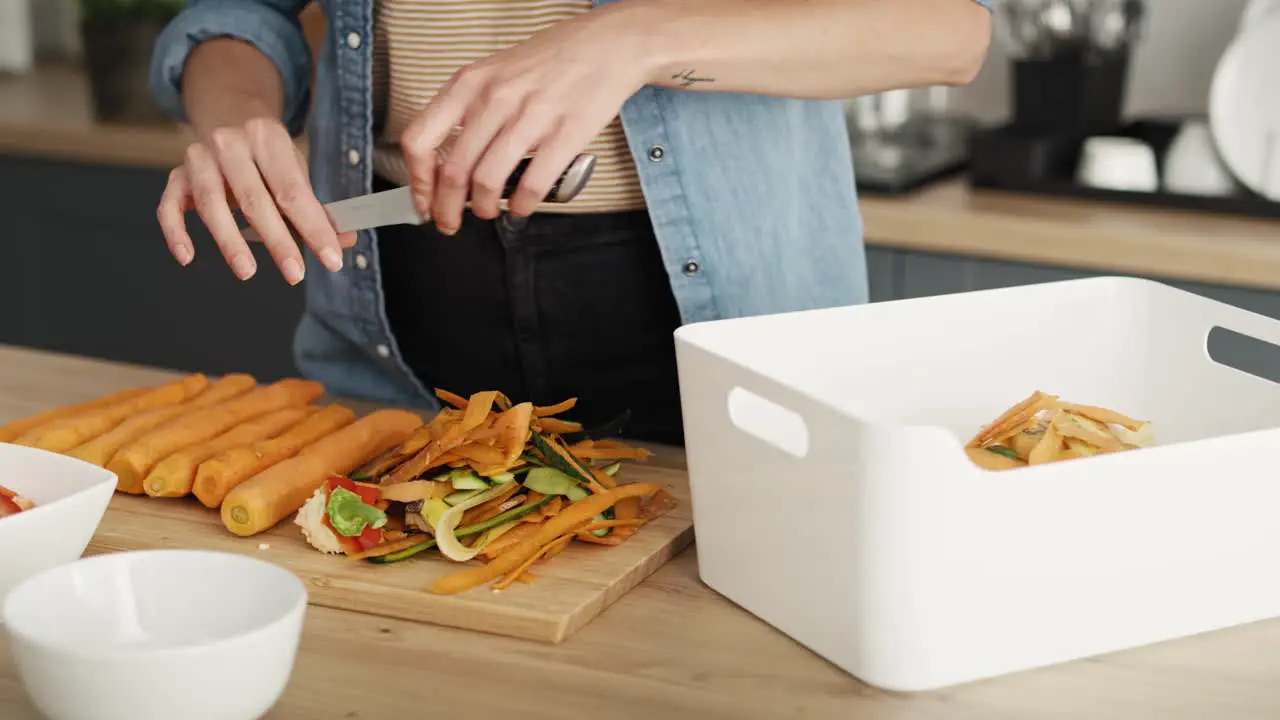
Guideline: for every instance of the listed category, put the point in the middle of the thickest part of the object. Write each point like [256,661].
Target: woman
[724,187]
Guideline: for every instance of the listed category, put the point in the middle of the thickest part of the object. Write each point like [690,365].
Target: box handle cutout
[1245,353]
[768,421]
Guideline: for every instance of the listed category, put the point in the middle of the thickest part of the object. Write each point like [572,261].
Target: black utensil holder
[1072,93]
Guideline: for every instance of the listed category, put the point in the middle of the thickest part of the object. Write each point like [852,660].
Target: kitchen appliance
[1069,75]
[903,139]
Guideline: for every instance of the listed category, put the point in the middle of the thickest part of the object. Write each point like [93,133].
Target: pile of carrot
[254,452]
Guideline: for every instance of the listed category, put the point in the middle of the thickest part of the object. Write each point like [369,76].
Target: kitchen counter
[671,646]
[46,114]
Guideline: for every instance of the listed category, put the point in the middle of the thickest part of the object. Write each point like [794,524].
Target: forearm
[809,48]
[227,82]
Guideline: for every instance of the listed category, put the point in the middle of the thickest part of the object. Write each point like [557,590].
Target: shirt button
[691,267]
[657,152]
[383,351]
[353,156]
[353,40]
[362,262]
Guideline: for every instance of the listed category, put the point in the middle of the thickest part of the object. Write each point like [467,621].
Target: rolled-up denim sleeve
[271,26]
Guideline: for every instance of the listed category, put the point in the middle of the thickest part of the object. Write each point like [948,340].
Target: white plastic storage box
[833,499]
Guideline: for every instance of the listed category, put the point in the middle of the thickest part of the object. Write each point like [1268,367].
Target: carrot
[479,408]
[132,463]
[576,514]
[627,509]
[273,494]
[551,509]
[12,431]
[174,475]
[387,548]
[100,449]
[508,540]
[557,426]
[217,476]
[552,548]
[455,400]
[614,538]
[596,452]
[556,409]
[63,435]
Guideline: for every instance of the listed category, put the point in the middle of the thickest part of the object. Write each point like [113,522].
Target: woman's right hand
[257,168]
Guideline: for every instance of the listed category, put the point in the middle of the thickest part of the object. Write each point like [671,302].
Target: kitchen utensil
[1244,107]
[565,597]
[1062,21]
[1118,163]
[70,497]
[156,636]
[1256,10]
[1034,28]
[904,138]
[395,207]
[1192,166]
[947,573]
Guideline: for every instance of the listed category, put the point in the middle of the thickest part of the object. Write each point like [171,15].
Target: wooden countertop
[47,114]
[672,647]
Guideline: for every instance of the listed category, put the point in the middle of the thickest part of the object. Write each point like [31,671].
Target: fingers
[236,160]
[209,192]
[174,203]
[454,178]
[553,158]
[427,133]
[281,165]
[498,162]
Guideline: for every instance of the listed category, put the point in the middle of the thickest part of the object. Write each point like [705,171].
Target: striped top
[420,44]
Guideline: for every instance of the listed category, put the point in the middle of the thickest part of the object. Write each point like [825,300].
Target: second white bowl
[157,635]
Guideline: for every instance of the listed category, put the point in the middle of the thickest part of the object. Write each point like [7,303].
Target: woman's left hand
[552,93]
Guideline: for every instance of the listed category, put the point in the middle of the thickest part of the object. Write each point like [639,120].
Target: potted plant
[118,38]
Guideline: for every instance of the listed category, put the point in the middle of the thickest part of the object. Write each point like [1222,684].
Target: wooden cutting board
[567,592]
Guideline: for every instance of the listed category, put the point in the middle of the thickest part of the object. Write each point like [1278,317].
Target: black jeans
[543,308]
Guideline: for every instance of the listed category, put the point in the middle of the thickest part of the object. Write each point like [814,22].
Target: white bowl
[1118,163]
[157,635]
[70,495]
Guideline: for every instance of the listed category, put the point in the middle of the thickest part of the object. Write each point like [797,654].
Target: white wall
[1169,74]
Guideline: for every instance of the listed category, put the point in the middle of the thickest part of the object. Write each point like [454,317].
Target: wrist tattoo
[688,78]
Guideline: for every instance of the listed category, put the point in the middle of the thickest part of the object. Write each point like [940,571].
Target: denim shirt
[752,198]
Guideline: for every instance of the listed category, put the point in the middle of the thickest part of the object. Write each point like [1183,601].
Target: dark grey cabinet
[884,269]
[923,275]
[85,270]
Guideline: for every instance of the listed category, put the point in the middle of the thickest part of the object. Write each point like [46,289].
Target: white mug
[1192,166]
[1118,163]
